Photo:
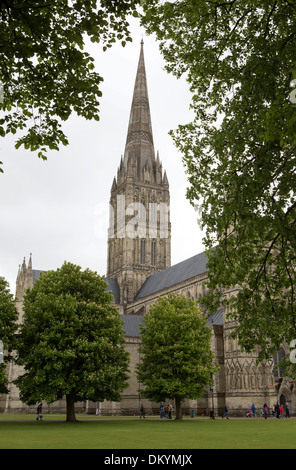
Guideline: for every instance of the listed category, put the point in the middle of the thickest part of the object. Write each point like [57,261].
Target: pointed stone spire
[24,267]
[114,185]
[165,178]
[157,158]
[30,263]
[139,142]
[19,273]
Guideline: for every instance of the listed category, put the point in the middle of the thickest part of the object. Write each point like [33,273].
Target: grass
[24,432]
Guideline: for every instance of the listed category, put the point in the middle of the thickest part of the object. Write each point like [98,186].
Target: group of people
[166,411]
[277,411]
[262,411]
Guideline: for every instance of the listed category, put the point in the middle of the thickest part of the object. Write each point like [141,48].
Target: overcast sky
[58,209]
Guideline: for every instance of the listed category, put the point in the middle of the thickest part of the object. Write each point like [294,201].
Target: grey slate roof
[131,324]
[216,317]
[114,288]
[36,274]
[173,275]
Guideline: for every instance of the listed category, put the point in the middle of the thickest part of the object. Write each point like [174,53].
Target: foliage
[45,72]
[8,327]
[176,360]
[71,340]
[240,151]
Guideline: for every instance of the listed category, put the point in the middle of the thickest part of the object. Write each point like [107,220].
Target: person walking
[265,409]
[162,411]
[142,412]
[287,412]
[39,412]
[281,411]
[225,412]
[253,409]
[170,411]
[167,411]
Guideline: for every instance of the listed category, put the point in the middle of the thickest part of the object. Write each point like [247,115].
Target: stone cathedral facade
[139,271]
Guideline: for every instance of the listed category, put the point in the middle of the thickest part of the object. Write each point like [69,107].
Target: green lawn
[133,433]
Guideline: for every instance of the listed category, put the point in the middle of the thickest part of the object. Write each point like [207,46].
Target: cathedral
[139,271]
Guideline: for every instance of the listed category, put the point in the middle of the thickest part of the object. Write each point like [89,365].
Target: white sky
[58,209]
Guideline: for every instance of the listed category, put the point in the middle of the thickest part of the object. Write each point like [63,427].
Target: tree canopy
[71,341]
[176,358]
[239,151]
[45,74]
[8,327]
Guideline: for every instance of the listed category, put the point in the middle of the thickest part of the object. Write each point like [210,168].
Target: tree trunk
[70,399]
[178,409]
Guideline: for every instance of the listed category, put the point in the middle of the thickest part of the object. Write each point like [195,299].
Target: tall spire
[139,191]
[139,143]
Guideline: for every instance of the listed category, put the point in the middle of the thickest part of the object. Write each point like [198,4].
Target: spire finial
[30,262]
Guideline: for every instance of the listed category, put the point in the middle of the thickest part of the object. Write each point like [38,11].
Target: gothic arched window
[142,251]
[153,252]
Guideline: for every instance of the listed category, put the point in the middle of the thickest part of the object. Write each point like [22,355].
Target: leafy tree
[71,341]
[45,74]
[240,151]
[8,327]
[176,358]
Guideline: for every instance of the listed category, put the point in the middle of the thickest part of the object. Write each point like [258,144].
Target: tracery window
[142,251]
[153,252]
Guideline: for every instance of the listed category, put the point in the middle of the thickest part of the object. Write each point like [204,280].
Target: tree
[71,341]
[45,74]
[240,152]
[176,358]
[8,327]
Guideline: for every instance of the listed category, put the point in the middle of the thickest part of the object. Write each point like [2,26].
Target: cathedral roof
[114,288]
[180,272]
[36,274]
[216,318]
[131,324]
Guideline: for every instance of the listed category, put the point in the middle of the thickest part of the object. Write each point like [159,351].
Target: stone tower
[139,236]
[25,279]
